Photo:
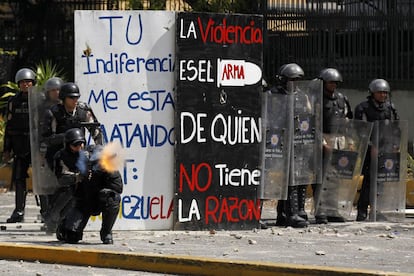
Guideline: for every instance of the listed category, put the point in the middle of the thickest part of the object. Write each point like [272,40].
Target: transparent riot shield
[344,153]
[306,161]
[277,132]
[44,180]
[388,171]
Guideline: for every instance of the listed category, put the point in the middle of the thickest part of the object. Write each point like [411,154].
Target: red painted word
[233,71]
[229,34]
[232,209]
[194,183]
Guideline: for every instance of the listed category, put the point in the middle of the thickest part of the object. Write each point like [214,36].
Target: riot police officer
[70,113]
[97,190]
[68,173]
[376,107]
[51,97]
[335,106]
[52,89]
[291,212]
[17,139]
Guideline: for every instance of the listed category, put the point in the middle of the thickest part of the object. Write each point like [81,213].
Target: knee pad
[108,197]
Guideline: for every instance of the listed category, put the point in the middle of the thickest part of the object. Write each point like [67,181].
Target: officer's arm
[360,113]
[64,175]
[394,112]
[7,146]
[49,130]
[94,130]
[349,114]
[114,181]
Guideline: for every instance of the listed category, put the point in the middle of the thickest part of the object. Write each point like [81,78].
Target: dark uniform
[17,142]
[96,191]
[57,121]
[291,212]
[52,85]
[334,106]
[372,110]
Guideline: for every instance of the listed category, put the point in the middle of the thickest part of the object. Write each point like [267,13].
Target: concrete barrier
[167,264]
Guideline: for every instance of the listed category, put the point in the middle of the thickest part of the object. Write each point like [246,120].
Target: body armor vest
[376,112]
[19,122]
[65,121]
[334,107]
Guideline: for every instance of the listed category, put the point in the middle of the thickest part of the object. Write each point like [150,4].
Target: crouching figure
[98,188]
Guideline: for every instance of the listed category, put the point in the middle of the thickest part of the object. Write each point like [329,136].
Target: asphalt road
[376,247]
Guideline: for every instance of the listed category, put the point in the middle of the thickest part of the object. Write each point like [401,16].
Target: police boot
[281,213]
[60,232]
[336,217]
[20,201]
[320,216]
[293,218]
[362,205]
[301,201]
[44,201]
[262,224]
[108,220]
[362,214]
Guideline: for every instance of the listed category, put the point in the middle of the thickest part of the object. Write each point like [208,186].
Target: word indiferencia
[122,63]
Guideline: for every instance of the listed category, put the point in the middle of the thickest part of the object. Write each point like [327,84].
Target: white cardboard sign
[124,66]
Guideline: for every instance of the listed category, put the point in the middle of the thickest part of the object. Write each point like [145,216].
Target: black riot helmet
[330,75]
[379,85]
[74,136]
[69,89]
[290,71]
[25,74]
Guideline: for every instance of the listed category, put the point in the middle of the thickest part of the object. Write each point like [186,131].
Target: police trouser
[60,203]
[364,194]
[19,176]
[72,225]
[44,203]
[317,194]
[109,201]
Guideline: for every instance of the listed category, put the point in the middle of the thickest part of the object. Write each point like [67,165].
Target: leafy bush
[46,70]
